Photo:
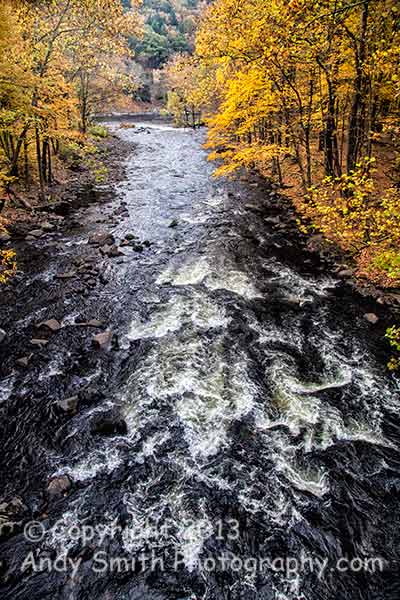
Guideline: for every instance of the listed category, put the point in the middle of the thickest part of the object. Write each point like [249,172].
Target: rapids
[260,419]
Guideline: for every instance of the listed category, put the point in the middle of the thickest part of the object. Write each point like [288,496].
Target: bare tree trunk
[356,122]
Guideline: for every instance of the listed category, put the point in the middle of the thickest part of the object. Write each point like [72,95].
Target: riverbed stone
[69,404]
[36,233]
[101,239]
[4,237]
[39,342]
[23,361]
[110,423]
[91,323]
[67,275]
[137,247]
[113,251]
[47,226]
[59,486]
[3,335]
[371,318]
[51,324]
[345,274]
[103,340]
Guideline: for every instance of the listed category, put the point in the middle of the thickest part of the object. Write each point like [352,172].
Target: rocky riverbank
[175,348]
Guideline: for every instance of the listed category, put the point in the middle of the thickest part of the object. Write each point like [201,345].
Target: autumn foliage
[56,59]
[308,93]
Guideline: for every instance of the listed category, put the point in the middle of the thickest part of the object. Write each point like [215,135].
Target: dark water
[261,423]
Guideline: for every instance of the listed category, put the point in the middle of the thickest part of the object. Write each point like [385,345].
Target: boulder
[23,361]
[110,423]
[173,223]
[345,274]
[69,404]
[103,340]
[39,342]
[11,517]
[36,233]
[253,208]
[121,210]
[46,226]
[4,237]
[101,239]
[15,507]
[59,486]
[3,335]
[371,318]
[51,324]
[130,236]
[61,208]
[67,275]
[113,251]
[91,323]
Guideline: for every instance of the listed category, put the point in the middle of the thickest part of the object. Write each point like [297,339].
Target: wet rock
[91,323]
[110,423]
[61,208]
[11,516]
[113,251]
[3,335]
[137,247]
[371,318]
[315,240]
[4,237]
[272,220]
[101,239]
[15,507]
[121,210]
[67,275]
[253,208]
[91,283]
[59,486]
[130,236]
[69,405]
[36,233]
[51,324]
[345,273]
[47,226]
[146,243]
[23,361]
[75,224]
[173,223]
[39,342]
[103,340]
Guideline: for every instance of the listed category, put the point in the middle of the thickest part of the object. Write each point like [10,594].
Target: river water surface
[260,421]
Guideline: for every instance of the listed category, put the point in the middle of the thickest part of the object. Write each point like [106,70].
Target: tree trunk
[356,122]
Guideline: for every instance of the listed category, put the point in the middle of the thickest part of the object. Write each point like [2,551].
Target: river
[256,432]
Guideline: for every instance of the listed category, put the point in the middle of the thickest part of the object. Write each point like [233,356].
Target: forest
[199,299]
[308,94]
[305,93]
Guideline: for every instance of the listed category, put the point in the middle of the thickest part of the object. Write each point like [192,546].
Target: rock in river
[103,340]
[101,239]
[371,318]
[51,324]
[59,486]
[69,405]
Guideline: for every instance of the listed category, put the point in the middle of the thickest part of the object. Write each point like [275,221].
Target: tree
[307,92]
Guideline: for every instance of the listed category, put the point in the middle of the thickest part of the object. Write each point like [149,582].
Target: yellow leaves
[8,265]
